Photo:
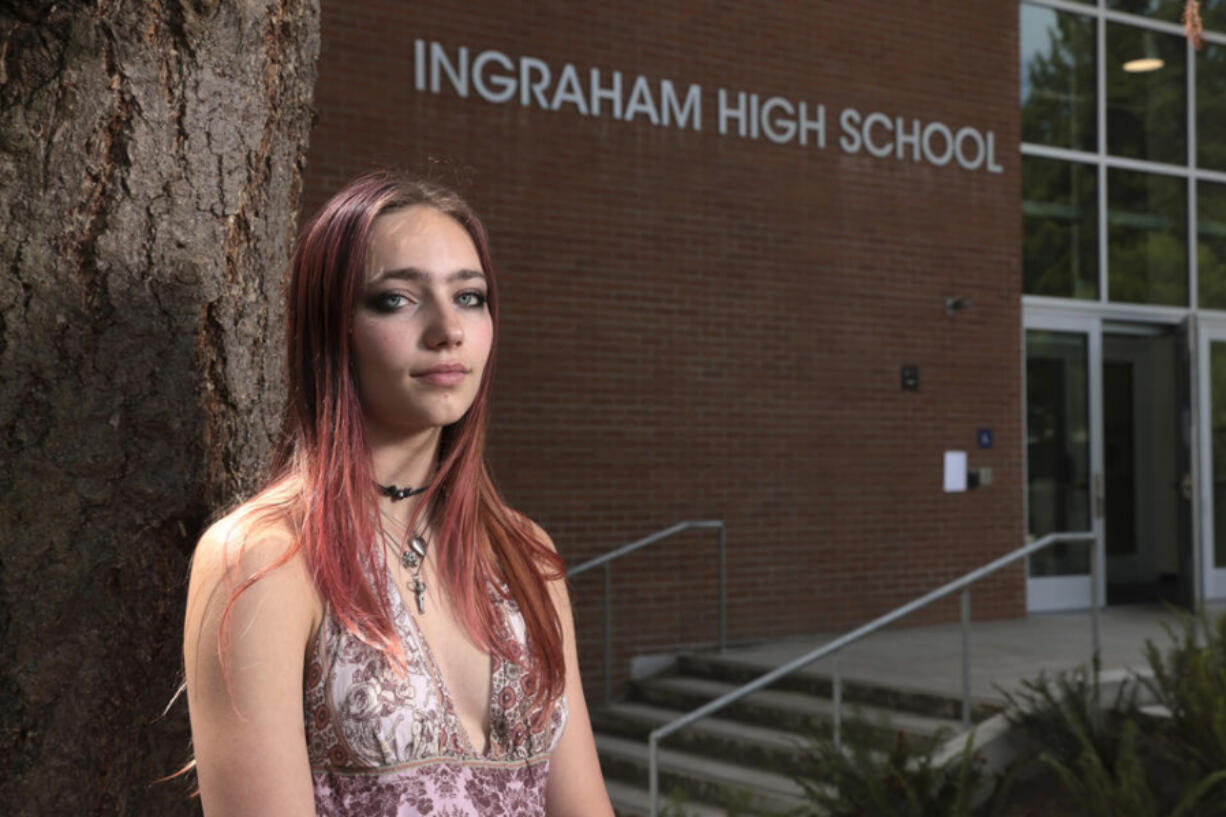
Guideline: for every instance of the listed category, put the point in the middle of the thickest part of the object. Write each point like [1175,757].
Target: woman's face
[423,307]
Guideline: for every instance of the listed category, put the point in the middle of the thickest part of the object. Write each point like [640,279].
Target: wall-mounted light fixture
[954,305]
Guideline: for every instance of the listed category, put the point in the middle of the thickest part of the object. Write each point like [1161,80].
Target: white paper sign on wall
[955,472]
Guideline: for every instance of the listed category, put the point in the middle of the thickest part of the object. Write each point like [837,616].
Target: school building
[769,263]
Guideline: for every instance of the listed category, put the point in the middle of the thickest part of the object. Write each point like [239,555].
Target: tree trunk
[151,158]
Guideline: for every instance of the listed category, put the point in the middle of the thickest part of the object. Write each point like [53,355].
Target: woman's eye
[475,299]
[388,301]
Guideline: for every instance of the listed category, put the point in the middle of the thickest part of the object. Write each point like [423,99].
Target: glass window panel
[1147,258]
[1059,228]
[1146,110]
[1057,447]
[1213,14]
[1217,389]
[1211,244]
[1169,10]
[1211,106]
[1057,74]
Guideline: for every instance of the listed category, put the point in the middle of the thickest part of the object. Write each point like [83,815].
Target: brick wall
[705,326]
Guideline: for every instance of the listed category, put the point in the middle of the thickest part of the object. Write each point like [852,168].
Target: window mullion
[1100,70]
[1193,215]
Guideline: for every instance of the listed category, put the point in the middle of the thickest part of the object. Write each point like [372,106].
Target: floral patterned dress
[386,745]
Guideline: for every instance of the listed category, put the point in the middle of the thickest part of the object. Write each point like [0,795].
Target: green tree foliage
[1060,228]
[1146,119]
[1058,80]
[1147,217]
[1211,106]
[1211,235]
[1059,199]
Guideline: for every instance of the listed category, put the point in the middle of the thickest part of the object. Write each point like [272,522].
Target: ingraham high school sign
[528,81]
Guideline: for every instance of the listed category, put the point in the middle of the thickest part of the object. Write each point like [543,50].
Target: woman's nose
[445,328]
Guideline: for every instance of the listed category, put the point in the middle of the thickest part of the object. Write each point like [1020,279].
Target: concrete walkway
[1003,653]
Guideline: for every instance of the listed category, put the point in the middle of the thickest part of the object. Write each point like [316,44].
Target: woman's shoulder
[249,537]
[254,541]
[552,565]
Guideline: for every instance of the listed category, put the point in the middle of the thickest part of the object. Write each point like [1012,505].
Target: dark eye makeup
[388,302]
[479,298]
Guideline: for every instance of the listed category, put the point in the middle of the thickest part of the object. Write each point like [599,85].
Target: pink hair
[325,452]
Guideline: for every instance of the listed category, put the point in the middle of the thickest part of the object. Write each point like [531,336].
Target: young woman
[376,632]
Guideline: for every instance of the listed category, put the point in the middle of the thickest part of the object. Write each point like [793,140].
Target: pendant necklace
[412,556]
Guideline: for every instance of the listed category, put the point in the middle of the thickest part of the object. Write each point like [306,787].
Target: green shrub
[887,774]
[1094,747]
[1123,789]
[1189,679]
[1060,712]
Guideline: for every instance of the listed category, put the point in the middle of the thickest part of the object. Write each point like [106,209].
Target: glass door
[1064,460]
[1211,425]
[1147,469]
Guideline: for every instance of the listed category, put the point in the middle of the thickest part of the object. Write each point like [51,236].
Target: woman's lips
[442,378]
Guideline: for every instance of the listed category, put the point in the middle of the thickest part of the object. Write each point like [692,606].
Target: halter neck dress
[386,745]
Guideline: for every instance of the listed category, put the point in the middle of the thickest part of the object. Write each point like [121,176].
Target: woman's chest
[455,700]
[463,669]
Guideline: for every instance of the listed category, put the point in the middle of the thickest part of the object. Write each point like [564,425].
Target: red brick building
[723,229]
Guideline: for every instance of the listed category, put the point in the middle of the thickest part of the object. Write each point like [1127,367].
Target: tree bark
[151,158]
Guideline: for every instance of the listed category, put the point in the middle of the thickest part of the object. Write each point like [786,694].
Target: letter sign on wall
[531,82]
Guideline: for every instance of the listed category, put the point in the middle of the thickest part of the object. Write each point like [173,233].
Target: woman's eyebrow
[421,276]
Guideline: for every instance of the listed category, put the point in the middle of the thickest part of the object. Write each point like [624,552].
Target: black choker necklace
[397,494]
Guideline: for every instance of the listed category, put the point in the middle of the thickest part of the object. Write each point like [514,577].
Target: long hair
[324,453]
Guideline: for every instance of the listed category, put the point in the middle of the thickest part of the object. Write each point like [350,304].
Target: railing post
[723,591]
[838,703]
[966,658]
[653,772]
[1094,631]
[608,633]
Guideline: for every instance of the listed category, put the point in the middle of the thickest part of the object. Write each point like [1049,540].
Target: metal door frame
[1202,332]
[1052,593]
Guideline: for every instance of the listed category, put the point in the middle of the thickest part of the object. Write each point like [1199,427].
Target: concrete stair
[741,761]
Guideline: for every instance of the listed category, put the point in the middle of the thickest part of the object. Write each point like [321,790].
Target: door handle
[1099,500]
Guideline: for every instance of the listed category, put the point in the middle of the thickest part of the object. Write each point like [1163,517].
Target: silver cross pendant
[419,590]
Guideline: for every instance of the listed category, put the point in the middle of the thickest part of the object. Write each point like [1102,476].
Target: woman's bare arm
[248,735]
[576,786]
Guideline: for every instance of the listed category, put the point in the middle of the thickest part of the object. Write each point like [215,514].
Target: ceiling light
[1143,65]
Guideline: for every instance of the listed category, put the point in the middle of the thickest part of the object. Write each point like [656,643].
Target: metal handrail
[963,584]
[606,561]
